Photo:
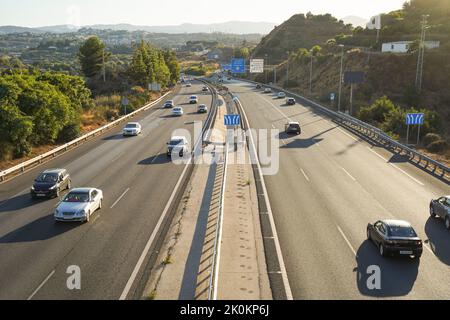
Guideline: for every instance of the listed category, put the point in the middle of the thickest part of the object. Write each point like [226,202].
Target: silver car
[79,204]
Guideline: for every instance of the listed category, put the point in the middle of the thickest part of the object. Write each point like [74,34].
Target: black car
[395,237]
[441,208]
[50,183]
[258,86]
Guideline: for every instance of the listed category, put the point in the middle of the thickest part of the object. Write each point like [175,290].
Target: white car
[193,100]
[281,95]
[202,109]
[267,90]
[132,129]
[177,145]
[188,85]
[177,111]
[169,104]
[79,204]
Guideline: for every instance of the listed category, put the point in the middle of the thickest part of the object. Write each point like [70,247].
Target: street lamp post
[340,77]
[266,56]
[287,70]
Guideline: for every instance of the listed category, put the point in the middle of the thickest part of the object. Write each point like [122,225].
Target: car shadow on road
[398,158]
[41,229]
[398,275]
[115,137]
[19,203]
[438,239]
[161,158]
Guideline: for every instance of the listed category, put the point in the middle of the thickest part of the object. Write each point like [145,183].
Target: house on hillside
[403,46]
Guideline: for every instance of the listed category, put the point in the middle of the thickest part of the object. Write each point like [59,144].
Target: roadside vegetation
[42,109]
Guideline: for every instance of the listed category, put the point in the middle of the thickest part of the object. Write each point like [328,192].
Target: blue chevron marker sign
[415,118]
[232,120]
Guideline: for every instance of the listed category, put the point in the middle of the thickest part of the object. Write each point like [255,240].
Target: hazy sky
[172,12]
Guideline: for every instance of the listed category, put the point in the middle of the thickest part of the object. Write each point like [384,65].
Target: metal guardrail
[20,168]
[428,164]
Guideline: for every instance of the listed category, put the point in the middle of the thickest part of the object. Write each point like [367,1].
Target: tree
[15,129]
[91,55]
[171,61]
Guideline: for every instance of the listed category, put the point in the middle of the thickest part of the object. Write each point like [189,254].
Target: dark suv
[50,183]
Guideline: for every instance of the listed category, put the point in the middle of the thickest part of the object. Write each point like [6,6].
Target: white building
[403,46]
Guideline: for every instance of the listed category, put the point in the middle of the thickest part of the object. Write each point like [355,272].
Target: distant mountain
[234,27]
[15,29]
[355,21]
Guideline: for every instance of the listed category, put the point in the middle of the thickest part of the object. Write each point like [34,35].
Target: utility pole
[340,77]
[421,55]
[287,70]
[310,75]
[266,62]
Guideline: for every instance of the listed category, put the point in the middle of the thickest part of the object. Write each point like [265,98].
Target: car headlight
[52,188]
[32,188]
[82,212]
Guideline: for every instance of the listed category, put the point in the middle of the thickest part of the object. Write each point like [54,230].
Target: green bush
[438,146]
[430,138]
[69,132]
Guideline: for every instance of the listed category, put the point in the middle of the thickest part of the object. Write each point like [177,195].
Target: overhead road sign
[257,66]
[232,120]
[238,65]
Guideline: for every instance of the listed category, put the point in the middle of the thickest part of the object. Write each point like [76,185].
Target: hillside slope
[300,31]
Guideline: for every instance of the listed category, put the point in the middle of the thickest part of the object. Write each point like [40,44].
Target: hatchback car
[293,128]
[281,95]
[132,129]
[395,237]
[290,101]
[177,111]
[169,104]
[177,145]
[79,204]
[193,100]
[441,208]
[50,183]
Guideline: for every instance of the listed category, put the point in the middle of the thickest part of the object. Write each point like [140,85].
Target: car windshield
[77,197]
[175,142]
[403,232]
[131,125]
[295,126]
[47,177]
[193,97]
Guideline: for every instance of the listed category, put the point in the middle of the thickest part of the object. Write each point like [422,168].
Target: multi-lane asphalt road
[330,185]
[137,180]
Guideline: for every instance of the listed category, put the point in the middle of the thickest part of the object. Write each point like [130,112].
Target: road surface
[330,185]
[137,180]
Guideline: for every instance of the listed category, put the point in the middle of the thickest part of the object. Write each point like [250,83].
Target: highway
[330,185]
[137,180]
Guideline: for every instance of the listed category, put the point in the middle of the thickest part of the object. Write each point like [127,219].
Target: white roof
[178,138]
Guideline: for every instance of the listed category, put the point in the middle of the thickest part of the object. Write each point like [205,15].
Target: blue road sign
[232,120]
[238,65]
[415,118]
[226,67]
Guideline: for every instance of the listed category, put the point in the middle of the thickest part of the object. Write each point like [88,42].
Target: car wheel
[417,257]
[68,185]
[382,251]
[369,237]
[57,192]
[100,205]
[432,213]
[447,223]
[88,216]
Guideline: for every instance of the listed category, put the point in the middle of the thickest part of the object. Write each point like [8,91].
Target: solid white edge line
[120,198]
[269,209]
[41,285]
[347,241]
[347,134]
[147,247]
[396,167]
